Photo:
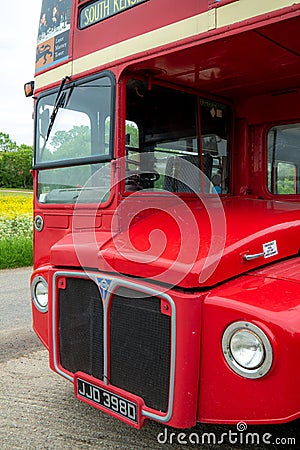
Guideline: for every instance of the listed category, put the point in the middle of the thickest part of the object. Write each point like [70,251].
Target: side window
[133,159]
[161,139]
[166,150]
[283,167]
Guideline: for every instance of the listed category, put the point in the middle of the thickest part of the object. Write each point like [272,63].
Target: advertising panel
[53,33]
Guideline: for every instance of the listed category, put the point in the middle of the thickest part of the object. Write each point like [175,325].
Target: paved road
[39,411]
[21,191]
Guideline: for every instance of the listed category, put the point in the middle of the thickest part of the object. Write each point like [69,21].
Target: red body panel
[263,299]
[192,248]
[131,23]
[40,321]
[190,266]
[271,302]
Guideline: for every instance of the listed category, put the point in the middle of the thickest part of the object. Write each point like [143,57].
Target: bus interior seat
[183,174]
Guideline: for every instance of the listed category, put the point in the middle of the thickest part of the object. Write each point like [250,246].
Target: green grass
[15,229]
[16,252]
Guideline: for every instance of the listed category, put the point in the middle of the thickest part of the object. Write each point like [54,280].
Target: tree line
[15,164]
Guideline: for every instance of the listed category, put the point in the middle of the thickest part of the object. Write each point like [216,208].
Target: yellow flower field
[15,215]
[16,204]
[15,229]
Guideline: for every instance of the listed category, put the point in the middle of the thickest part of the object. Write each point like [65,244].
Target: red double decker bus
[167,206]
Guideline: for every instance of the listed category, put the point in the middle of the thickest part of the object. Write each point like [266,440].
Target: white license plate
[106,399]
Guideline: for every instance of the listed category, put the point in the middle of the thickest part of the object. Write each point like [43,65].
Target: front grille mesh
[81,327]
[140,347]
[139,339]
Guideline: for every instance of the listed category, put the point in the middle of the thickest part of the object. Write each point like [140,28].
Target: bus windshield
[74,140]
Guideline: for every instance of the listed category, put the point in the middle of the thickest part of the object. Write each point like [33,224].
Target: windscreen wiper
[59,103]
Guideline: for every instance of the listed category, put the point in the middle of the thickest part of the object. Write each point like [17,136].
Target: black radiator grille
[140,339]
[81,327]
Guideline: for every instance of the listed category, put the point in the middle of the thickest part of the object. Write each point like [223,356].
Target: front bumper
[163,350]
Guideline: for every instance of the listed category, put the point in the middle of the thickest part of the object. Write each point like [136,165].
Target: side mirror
[29,88]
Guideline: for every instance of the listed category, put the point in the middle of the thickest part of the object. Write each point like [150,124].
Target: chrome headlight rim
[263,367]
[42,307]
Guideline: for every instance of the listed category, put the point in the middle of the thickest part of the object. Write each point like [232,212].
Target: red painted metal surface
[143,18]
[214,285]
[41,324]
[274,221]
[265,299]
[270,301]
[217,3]
[219,65]
[287,270]
[220,256]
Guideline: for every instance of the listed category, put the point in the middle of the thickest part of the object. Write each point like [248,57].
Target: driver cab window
[284,159]
[164,147]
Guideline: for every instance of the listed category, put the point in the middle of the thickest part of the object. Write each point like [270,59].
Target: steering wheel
[143,175]
[140,179]
[148,176]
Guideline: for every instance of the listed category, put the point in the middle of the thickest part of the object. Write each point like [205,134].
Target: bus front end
[166,209]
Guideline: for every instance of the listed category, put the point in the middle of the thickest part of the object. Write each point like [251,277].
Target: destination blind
[103,9]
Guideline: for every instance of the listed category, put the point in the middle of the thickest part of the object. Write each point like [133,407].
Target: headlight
[39,291]
[247,350]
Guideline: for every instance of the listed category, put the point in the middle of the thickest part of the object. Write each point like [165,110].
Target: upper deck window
[165,148]
[99,10]
[284,159]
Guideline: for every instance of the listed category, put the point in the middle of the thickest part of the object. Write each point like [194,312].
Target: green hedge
[15,164]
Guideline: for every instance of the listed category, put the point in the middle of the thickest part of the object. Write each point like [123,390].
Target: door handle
[248,257]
